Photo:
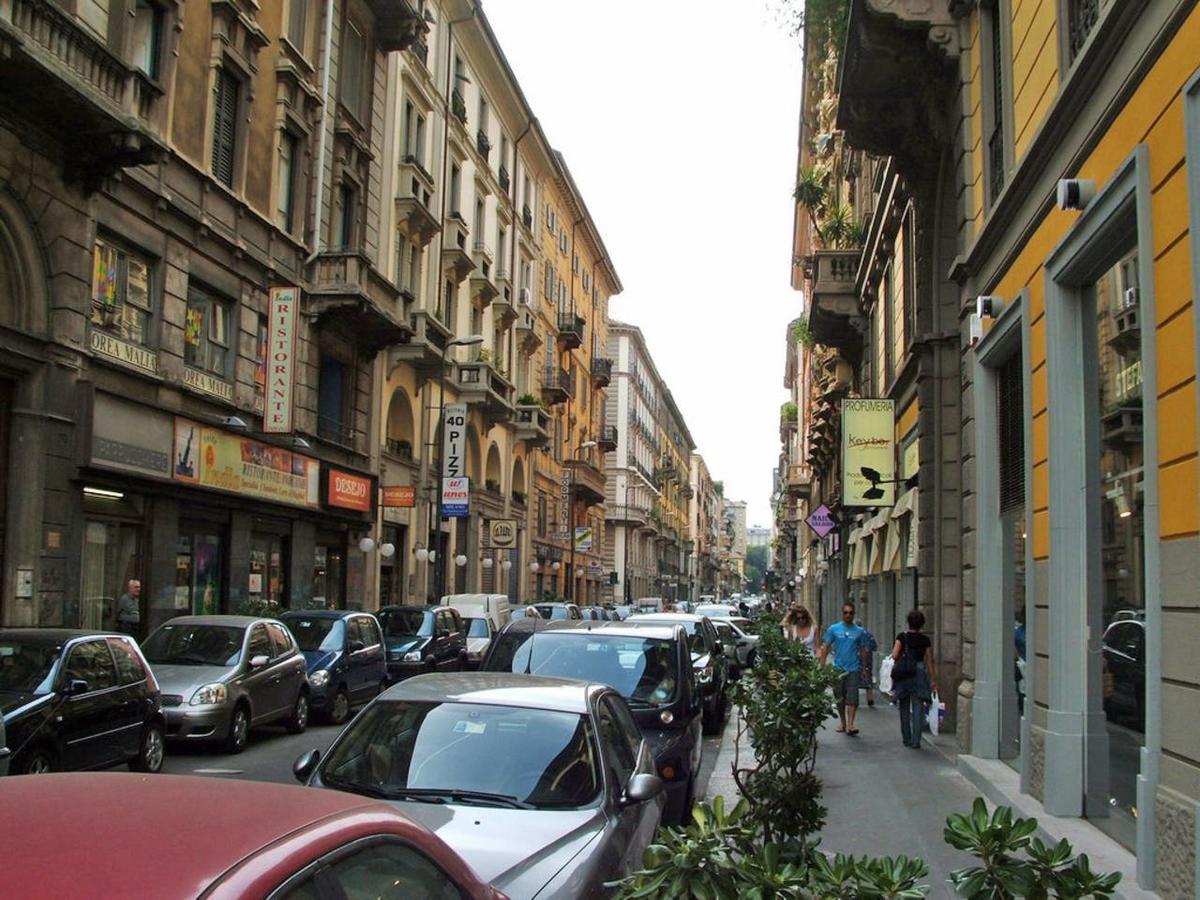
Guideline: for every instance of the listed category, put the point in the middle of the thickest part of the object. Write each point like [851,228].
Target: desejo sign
[454,439]
[868,442]
[281,360]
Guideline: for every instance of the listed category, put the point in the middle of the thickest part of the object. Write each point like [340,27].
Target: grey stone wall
[1175,826]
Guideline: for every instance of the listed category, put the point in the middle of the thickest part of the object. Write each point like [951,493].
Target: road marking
[219,771]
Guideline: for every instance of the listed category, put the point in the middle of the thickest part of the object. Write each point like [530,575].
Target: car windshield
[695,635]
[441,752]
[553,612]
[477,628]
[27,668]
[194,644]
[641,669]
[406,622]
[317,633]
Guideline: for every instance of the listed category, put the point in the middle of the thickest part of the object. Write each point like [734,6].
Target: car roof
[53,635]
[666,617]
[472,599]
[322,613]
[228,621]
[168,818]
[401,606]
[496,689]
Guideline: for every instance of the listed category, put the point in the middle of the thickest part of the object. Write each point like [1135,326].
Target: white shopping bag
[885,674]
[937,709]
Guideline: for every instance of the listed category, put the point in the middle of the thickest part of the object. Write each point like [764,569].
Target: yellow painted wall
[1034,42]
[975,201]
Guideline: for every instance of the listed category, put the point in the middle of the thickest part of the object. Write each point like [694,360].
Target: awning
[858,553]
[876,526]
[907,504]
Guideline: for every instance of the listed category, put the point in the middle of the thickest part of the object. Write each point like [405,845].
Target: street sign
[502,534]
[868,452]
[822,521]
[454,443]
[583,538]
[456,497]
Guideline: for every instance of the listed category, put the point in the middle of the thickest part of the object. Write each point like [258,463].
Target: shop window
[121,293]
[329,576]
[111,559]
[267,570]
[199,571]
[207,335]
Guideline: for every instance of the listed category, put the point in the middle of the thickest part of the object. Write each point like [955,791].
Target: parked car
[77,700]
[741,647]
[544,785]
[718,611]
[525,612]
[649,667]
[344,655]
[219,839]
[1123,649]
[557,611]
[708,661]
[623,612]
[223,675]
[649,605]
[593,614]
[483,615]
[422,639]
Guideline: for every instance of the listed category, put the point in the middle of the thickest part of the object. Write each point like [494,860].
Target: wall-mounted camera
[988,306]
[1075,193]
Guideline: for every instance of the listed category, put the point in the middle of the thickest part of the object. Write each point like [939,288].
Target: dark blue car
[345,656]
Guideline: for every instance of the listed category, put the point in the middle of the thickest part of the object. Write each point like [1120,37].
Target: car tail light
[667,773]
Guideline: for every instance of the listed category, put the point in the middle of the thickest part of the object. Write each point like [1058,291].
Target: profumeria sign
[868,452]
[281,360]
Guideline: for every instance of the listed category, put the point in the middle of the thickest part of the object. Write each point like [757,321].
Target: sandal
[852,732]
[841,729]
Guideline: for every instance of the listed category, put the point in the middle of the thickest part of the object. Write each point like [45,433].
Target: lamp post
[436,530]
[586,445]
[625,579]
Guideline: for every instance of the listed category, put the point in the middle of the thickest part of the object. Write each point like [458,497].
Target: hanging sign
[502,534]
[583,538]
[868,452]
[399,497]
[347,491]
[821,520]
[454,441]
[456,497]
[278,391]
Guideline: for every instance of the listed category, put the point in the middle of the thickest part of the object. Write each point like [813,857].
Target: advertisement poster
[211,458]
[583,538]
[456,497]
[868,445]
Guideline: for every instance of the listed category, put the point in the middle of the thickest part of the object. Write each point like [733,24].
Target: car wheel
[38,761]
[239,730]
[709,720]
[151,750]
[751,659]
[339,711]
[298,720]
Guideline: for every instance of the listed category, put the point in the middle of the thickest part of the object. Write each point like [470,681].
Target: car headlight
[319,678]
[412,656]
[209,695]
[706,675]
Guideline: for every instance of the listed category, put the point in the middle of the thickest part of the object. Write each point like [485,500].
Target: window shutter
[224,127]
[1011,423]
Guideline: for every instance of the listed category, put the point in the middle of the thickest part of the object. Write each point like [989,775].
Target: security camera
[975,329]
[1075,193]
[988,306]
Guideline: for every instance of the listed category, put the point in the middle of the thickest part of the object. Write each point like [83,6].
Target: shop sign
[124,352]
[208,384]
[281,360]
[456,497]
[821,520]
[454,441]
[131,438]
[211,458]
[583,538]
[399,496]
[346,491]
[502,534]
[564,495]
[868,444]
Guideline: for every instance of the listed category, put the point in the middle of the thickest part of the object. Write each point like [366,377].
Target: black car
[78,700]
[650,667]
[1123,649]
[422,639]
[344,653]
[708,660]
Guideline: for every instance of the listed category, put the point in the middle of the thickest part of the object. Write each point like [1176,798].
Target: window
[91,662]
[620,748]
[260,356]
[225,114]
[562,241]
[483,115]
[501,248]
[587,281]
[994,111]
[380,868]
[121,286]
[297,29]
[574,263]
[478,222]
[147,38]
[286,206]
[206,334]
[414,135]
[129,665]
[347,215]
[541,513]
[260,642]
[333,398]
[503,163]
[281,643]
[455,189]
[549,289]
[551,219]
[354,53]
[1082,16]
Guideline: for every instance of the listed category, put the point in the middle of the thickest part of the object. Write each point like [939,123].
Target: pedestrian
[847,641]
[913,691]
[799,626]
[866,679]
[129,608]
[744,609]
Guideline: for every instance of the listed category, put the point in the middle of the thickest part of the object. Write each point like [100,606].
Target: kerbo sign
[348,491]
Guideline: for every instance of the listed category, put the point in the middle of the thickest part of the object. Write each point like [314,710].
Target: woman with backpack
[913,678]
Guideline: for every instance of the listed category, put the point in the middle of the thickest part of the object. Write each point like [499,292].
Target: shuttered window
[1010,415]
[225,107]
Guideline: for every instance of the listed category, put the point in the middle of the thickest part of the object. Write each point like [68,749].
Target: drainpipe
[319,193]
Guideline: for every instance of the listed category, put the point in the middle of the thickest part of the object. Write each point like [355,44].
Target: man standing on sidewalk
[847,641]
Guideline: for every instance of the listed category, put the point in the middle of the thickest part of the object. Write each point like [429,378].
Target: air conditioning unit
[524,296]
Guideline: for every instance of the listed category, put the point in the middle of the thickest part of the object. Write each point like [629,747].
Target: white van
[483,615]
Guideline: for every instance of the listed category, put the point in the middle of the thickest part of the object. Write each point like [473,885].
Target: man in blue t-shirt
[847,641]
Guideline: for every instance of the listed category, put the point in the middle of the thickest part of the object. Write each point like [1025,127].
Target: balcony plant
[812,192]
[802,334]
[789,412]
[483,355]
[527,399]
[492,485]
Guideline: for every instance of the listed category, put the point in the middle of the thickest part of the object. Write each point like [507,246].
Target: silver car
[741,645]
[222,675]
[543,785]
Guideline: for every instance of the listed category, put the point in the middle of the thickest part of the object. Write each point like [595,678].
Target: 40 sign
[454,443]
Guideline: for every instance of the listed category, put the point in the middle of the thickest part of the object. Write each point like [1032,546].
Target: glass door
[200,570]
[110,561]
[267,570]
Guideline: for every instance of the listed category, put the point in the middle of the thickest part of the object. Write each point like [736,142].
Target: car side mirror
[355,646]
[641,787]
[305,765]
[76,686]
[257,662]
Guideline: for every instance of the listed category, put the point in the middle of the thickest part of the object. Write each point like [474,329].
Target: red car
[171,836]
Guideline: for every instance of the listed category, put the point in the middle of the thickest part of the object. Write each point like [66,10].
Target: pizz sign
[278,393]
[454,441]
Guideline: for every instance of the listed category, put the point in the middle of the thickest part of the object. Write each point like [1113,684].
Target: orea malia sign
[868,443]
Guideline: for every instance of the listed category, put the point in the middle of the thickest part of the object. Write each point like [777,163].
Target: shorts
[845,692]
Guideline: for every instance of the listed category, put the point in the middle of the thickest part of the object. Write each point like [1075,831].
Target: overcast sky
[678,121]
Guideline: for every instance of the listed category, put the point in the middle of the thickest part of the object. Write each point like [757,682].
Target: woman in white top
[799,626]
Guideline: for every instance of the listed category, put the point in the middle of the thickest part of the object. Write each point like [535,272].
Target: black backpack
[905,666]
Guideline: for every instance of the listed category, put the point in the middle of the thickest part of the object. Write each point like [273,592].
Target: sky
[678,121]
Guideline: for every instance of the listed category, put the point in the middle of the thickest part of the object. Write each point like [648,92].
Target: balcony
[799,482]
[503,178]
[414,215]
[556,386]
[625,515]
[420,49]
[458,106]
[608,437]
[53,71]
[834,318]
[483,287]
[532,424]
[347,290]
[587,481]
[427,348]
[482,144]
[456,260]
[398,24]
[1127,328]
[503,309]
[527,333]
[570,330]
[481,385]
[602,371]
[527,216]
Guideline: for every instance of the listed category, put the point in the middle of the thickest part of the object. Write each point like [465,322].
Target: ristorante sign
[281,360]
[868,446]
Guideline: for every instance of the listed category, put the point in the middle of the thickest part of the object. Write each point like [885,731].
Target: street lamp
[586,445]
[436,530]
